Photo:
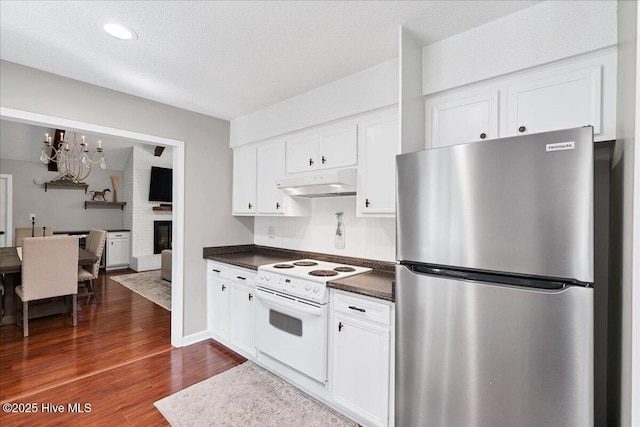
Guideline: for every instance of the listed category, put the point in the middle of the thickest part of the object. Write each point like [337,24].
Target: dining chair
[95,244]
[22,232]
[49,269]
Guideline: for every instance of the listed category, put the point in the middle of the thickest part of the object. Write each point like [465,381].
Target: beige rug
[246,395]
[149,285]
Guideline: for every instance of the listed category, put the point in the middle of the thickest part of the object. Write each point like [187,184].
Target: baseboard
[195,338]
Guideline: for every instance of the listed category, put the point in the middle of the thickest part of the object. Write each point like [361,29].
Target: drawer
[215,270]
[363,308]
[243,276]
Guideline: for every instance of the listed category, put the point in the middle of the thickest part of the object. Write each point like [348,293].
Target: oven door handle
[284,303]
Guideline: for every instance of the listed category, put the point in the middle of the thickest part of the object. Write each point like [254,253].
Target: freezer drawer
[520,205]
[477,354]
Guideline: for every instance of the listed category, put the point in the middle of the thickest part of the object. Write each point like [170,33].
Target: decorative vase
[114,182]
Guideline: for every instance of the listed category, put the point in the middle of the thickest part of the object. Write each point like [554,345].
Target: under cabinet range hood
[330,183]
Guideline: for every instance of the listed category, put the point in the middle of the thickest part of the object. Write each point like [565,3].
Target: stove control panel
[293,286]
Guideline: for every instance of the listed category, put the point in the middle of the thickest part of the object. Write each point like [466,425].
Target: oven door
[292,331]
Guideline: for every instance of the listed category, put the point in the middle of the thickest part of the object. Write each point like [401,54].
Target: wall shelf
[163,208]
[103,203]
[65,184]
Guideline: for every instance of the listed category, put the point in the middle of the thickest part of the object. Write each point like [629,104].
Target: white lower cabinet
[361,356]
[230,307]
[118,249]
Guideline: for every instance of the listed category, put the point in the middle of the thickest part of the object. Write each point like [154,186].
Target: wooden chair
[95,244]
[22,232]
[49,269]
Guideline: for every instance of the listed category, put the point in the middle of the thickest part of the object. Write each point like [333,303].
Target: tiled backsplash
[372,238]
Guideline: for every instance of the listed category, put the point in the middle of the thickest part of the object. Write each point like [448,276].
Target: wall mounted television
[161,185]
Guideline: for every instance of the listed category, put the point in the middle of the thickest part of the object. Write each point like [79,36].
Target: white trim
[8,234]
[635,249]
[196,338]
[177,284]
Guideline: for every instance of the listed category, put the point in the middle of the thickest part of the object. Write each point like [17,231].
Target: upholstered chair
[165,264]
[95,244]
[22,232]
[49,269]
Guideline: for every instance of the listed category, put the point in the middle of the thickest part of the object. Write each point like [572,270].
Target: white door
[6,209]
[118,251]
[242,312]
[560,102]
[338,147]
[378,148]
[270,168]
[302,154]
[461,120]
[244,182]
[361,368]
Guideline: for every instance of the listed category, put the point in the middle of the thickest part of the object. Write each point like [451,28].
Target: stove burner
[344,269]
[283,266]
[323,273]
[305,263]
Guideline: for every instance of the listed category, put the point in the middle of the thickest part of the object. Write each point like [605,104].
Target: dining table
[10,268]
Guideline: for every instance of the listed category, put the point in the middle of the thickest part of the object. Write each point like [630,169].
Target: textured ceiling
[225,58]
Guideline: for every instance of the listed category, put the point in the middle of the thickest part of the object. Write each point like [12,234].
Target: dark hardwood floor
[118,360]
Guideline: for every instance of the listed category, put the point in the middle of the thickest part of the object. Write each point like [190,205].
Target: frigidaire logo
[559,146]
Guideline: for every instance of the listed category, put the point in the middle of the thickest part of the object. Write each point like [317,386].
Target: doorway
[6,209]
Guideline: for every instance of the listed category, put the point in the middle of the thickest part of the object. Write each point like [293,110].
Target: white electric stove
[304,278]
[292,313]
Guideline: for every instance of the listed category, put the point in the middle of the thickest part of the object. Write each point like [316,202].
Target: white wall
[59,208]
[625,222]
[369,89]
[547,32]
[208,161]
[372,238]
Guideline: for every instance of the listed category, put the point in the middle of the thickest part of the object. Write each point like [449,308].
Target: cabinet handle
[250,205]
[112,243]
[250,297]
[522,129]
[223,288]
[324,160]
[353,307]
[483,135]
[277,205]
[310,162]
[366,203]
[241,278]
[217,271]
[340,326]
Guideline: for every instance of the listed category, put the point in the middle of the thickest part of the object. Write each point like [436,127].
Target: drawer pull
[241,278]
[353,307]
[217,271]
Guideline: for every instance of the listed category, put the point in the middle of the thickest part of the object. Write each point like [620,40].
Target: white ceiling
[226,58]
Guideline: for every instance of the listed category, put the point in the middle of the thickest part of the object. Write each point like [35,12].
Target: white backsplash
[372,238]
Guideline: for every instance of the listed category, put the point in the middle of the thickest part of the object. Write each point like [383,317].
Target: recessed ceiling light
[120,31]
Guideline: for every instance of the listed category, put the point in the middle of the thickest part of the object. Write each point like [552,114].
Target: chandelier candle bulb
[73,159]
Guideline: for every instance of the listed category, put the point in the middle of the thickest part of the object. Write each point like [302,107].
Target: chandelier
[73,160]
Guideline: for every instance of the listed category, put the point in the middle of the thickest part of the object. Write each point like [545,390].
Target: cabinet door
[338,147]
[242,324]
[460,120]
[302,154]
[361,368]
[218,306]
[271,166]
[117,252]
[244,181]
[378,148]
[568,100]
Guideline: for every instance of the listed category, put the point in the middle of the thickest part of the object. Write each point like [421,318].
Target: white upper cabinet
[452,120]
[572,93]
[563,101]
[244,181]
[328,147]
[378,145]
[271,166]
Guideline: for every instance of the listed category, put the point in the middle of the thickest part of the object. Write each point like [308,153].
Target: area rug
[246,395]
[149,285]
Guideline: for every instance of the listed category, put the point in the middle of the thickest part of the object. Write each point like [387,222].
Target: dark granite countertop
[74,232]
[378,283]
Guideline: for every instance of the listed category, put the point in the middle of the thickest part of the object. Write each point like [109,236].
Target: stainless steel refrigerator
[494,296]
